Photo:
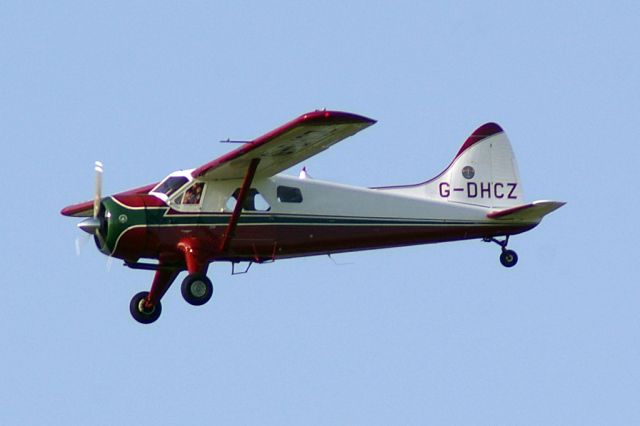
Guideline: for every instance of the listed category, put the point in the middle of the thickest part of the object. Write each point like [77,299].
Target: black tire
[508,258]
[140,313]
[197,289]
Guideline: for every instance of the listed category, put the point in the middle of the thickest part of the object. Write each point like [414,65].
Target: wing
[86,209]
[278,150]
[286,146]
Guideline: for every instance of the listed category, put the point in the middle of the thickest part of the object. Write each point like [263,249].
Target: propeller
[81,240]
[98,192]
[92,224]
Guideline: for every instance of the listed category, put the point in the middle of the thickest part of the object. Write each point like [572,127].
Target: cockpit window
[171,185]
[192,195]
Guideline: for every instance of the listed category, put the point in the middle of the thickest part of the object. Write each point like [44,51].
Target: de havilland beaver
[240,208]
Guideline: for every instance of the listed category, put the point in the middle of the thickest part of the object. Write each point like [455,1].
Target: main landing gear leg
[196,288]
[145,307]
[508,258]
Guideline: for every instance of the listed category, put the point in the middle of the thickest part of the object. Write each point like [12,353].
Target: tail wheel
[141,312]
[197,289]
[508,258]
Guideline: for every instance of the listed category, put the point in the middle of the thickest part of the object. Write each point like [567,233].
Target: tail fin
[483,173]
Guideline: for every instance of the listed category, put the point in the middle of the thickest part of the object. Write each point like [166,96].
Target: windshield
[171,185]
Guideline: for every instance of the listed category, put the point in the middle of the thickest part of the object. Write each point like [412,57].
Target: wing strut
[242,196]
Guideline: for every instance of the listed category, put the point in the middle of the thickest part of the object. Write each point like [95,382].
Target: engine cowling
[125,226]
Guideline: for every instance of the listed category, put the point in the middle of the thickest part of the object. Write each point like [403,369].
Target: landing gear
[142,310]
[197,289]
[145,306]
[508,258]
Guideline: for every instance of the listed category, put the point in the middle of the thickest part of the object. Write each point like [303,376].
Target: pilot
[193,194]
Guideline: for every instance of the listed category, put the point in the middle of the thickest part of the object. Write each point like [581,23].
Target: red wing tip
[76,208]
[482,132]
[336,115]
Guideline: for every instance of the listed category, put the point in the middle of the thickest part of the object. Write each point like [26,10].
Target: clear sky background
[439,334]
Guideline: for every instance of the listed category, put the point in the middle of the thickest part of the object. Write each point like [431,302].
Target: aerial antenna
[233,141]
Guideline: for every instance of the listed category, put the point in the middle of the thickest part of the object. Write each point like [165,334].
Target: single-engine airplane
[240,208]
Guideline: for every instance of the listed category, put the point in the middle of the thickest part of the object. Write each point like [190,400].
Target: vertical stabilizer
[483,173]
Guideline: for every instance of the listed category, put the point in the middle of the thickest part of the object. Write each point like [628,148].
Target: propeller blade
[78,246]
[98,190]
[81,240]
[91,225]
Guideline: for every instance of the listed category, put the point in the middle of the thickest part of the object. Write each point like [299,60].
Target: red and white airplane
[239,208]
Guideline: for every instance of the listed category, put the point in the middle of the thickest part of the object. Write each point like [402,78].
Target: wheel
[141,313]
[197,289]
[508,258]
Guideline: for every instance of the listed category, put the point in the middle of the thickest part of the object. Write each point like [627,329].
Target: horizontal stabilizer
[532,212]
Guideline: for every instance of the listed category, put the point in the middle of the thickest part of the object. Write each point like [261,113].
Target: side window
[253,203]
[193,195]
[288,194]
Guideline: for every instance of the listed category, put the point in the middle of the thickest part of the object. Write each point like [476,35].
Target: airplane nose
[90,225]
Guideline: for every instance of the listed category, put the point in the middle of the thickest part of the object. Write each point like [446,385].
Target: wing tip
[77,210]
[341,116]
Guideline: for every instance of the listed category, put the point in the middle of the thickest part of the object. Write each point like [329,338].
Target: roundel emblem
[123,218]
[468,172]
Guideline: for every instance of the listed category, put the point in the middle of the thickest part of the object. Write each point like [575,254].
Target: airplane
[241,208]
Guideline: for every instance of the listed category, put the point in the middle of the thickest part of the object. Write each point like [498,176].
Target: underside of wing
[285,146]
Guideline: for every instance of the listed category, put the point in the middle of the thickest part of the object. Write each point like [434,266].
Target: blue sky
[437,334]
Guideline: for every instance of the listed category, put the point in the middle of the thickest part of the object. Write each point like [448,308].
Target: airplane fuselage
[293,217]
